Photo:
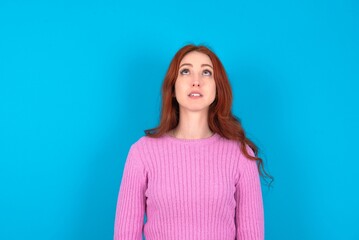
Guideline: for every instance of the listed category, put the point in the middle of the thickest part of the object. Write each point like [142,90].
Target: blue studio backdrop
[80,81]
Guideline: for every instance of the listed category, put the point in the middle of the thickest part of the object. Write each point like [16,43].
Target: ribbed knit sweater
[189,189]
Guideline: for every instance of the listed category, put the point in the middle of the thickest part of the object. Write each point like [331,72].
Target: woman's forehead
[196,57]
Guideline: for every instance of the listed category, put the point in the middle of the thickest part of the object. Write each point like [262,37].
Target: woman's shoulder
[216,141]
[146,140]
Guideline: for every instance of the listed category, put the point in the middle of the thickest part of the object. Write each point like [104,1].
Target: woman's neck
[192,126]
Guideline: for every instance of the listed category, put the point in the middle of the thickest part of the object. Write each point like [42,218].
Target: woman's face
[195,75]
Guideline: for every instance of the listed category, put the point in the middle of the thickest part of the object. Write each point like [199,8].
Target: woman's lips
[195,94]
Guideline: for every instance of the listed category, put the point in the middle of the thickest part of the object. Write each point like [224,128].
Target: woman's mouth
[194,95]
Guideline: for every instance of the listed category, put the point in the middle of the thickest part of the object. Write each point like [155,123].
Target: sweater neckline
[200,141]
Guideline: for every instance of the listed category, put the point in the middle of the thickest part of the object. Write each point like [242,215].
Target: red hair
[220,117]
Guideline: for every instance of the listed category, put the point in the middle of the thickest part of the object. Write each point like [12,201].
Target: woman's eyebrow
[207,65]
[186,64]
[203,65]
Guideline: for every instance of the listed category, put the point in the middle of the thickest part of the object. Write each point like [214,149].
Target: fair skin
[195,75]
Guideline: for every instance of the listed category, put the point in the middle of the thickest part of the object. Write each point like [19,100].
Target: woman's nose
[196,80]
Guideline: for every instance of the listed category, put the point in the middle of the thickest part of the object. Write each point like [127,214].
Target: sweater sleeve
[249,202]
[130,209]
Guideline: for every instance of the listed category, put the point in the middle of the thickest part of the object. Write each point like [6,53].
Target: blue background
[80,81]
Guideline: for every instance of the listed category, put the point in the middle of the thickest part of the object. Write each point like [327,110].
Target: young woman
[195,175]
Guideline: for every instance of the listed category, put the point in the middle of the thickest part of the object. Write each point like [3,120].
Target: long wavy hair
[220,117]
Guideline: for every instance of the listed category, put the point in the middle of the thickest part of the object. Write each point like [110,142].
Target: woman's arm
[130,208]
[249,209]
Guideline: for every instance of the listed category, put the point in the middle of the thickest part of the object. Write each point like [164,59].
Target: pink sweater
[189,189]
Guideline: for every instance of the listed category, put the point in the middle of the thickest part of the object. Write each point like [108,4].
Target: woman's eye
[184,71]
[207,73]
